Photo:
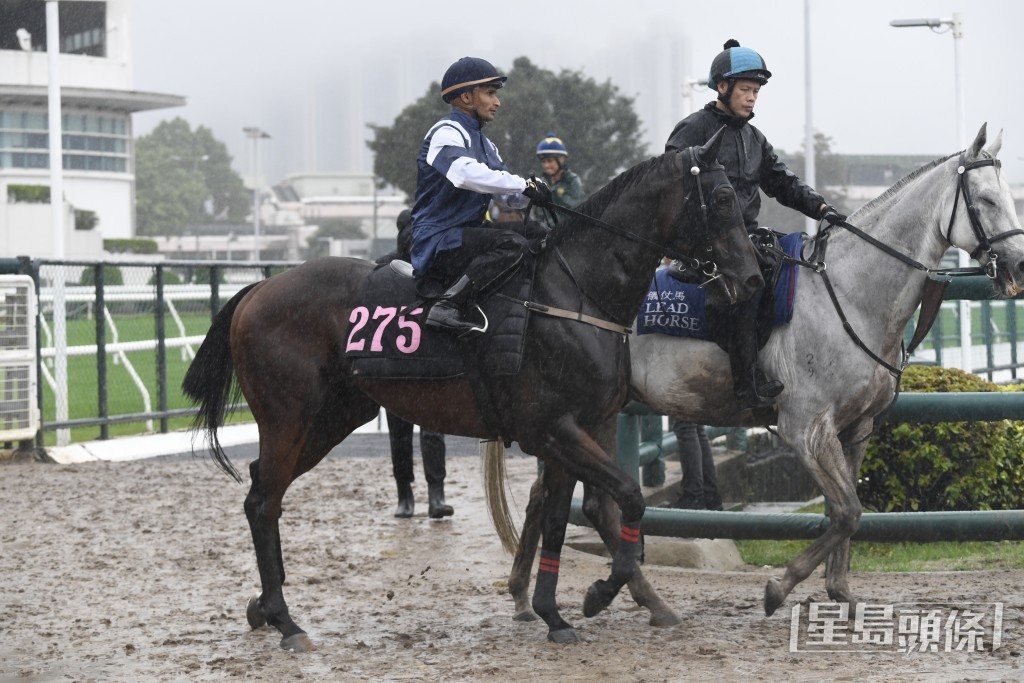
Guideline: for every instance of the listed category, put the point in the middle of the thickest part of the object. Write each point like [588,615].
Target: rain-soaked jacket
[749,161]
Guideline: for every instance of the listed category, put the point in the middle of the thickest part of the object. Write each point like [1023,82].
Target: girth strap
[555,312]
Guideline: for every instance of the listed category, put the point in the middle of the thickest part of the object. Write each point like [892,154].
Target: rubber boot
[435,498]
[446,313]
[406,502]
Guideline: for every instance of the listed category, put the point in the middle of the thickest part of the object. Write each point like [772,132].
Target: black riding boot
[751,386]
[435,499]
[446,313]
[406,502]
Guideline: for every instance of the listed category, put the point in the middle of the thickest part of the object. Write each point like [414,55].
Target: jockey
[750,162]
[566,186]
[459,170]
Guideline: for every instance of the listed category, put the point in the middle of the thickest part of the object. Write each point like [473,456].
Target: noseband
[984,242]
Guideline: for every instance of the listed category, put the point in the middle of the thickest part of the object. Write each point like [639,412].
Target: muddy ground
[141,571]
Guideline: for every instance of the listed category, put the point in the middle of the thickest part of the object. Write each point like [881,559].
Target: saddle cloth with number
[677,308]
[388,338]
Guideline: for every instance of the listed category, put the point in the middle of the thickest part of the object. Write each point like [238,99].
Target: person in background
[566,186]
[432,446]
[699,488]
[737,74]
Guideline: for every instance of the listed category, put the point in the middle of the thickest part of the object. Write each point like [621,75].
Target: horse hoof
[253,614]
[773,596]
[665,619]
[597,599]
[298,642]
[564,636]
[525,615]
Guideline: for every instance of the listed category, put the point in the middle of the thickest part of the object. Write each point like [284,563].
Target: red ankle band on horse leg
[549,562]
[630,534]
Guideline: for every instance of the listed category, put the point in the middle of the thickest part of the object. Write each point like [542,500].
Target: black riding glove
[537,191]
[831,216]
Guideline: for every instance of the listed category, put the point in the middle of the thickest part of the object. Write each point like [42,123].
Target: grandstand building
[97,138]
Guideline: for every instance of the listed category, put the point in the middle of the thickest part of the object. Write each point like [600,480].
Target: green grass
[895,557]
[123,396]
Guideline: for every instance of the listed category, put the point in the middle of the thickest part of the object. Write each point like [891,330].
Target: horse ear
[979,142]
[709,150]
[994,146]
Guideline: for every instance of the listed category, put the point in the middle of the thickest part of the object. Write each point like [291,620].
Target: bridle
[984,242]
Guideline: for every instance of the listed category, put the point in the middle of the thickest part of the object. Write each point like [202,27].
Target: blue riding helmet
[466,74]
[551,146]
[736,62]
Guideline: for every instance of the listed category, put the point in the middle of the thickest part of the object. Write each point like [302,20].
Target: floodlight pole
[810,225]
[255,134]
[956,25]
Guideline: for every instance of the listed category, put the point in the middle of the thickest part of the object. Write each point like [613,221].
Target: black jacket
[750,163]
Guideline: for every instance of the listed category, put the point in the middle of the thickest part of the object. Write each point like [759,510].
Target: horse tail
[209,381]
[495,484]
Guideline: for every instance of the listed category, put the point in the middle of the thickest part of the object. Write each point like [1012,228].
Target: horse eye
[724,200]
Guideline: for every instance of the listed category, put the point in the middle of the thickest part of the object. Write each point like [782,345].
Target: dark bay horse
[282,339]
[834,387]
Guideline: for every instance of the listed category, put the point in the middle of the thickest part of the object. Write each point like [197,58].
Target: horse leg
[837,566]
[603,515]
[284,456]
[600,509]
[586,459]
[557,496]
[519,579]
[822,453]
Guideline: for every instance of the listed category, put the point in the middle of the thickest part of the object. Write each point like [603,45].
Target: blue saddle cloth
[677,308]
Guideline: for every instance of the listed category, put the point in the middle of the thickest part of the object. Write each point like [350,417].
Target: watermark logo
[904,627]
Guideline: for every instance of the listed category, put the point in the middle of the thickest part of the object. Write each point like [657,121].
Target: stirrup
[448,318]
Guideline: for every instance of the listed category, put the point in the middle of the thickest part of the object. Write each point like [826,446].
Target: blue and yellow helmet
[736,62]
[466,74]
[552,146]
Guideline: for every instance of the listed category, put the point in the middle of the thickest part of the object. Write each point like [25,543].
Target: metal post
[161,351]
[60,330]
[101,351]
[963,260]
[255,134]
[810,225]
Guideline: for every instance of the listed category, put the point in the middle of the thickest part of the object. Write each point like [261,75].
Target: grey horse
[834,386]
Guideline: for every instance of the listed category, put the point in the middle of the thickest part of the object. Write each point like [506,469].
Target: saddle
[387,337]
[676,303]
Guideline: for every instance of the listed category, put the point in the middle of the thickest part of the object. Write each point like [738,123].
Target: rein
[932,298]
[708,268]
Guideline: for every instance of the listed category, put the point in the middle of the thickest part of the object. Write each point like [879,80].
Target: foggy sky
[312,73]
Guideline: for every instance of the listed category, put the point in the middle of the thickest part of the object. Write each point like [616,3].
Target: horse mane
[596,203]
[900,184]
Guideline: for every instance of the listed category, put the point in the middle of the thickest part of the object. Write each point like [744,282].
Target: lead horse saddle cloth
[388,339]
[677,308]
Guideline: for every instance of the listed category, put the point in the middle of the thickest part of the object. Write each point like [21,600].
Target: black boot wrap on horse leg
[602,592]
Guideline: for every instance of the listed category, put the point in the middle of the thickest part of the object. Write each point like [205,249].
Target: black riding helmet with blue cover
[466,74]
[734,63]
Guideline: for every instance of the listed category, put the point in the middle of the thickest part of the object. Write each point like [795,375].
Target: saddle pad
[387,337]
[678,308]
